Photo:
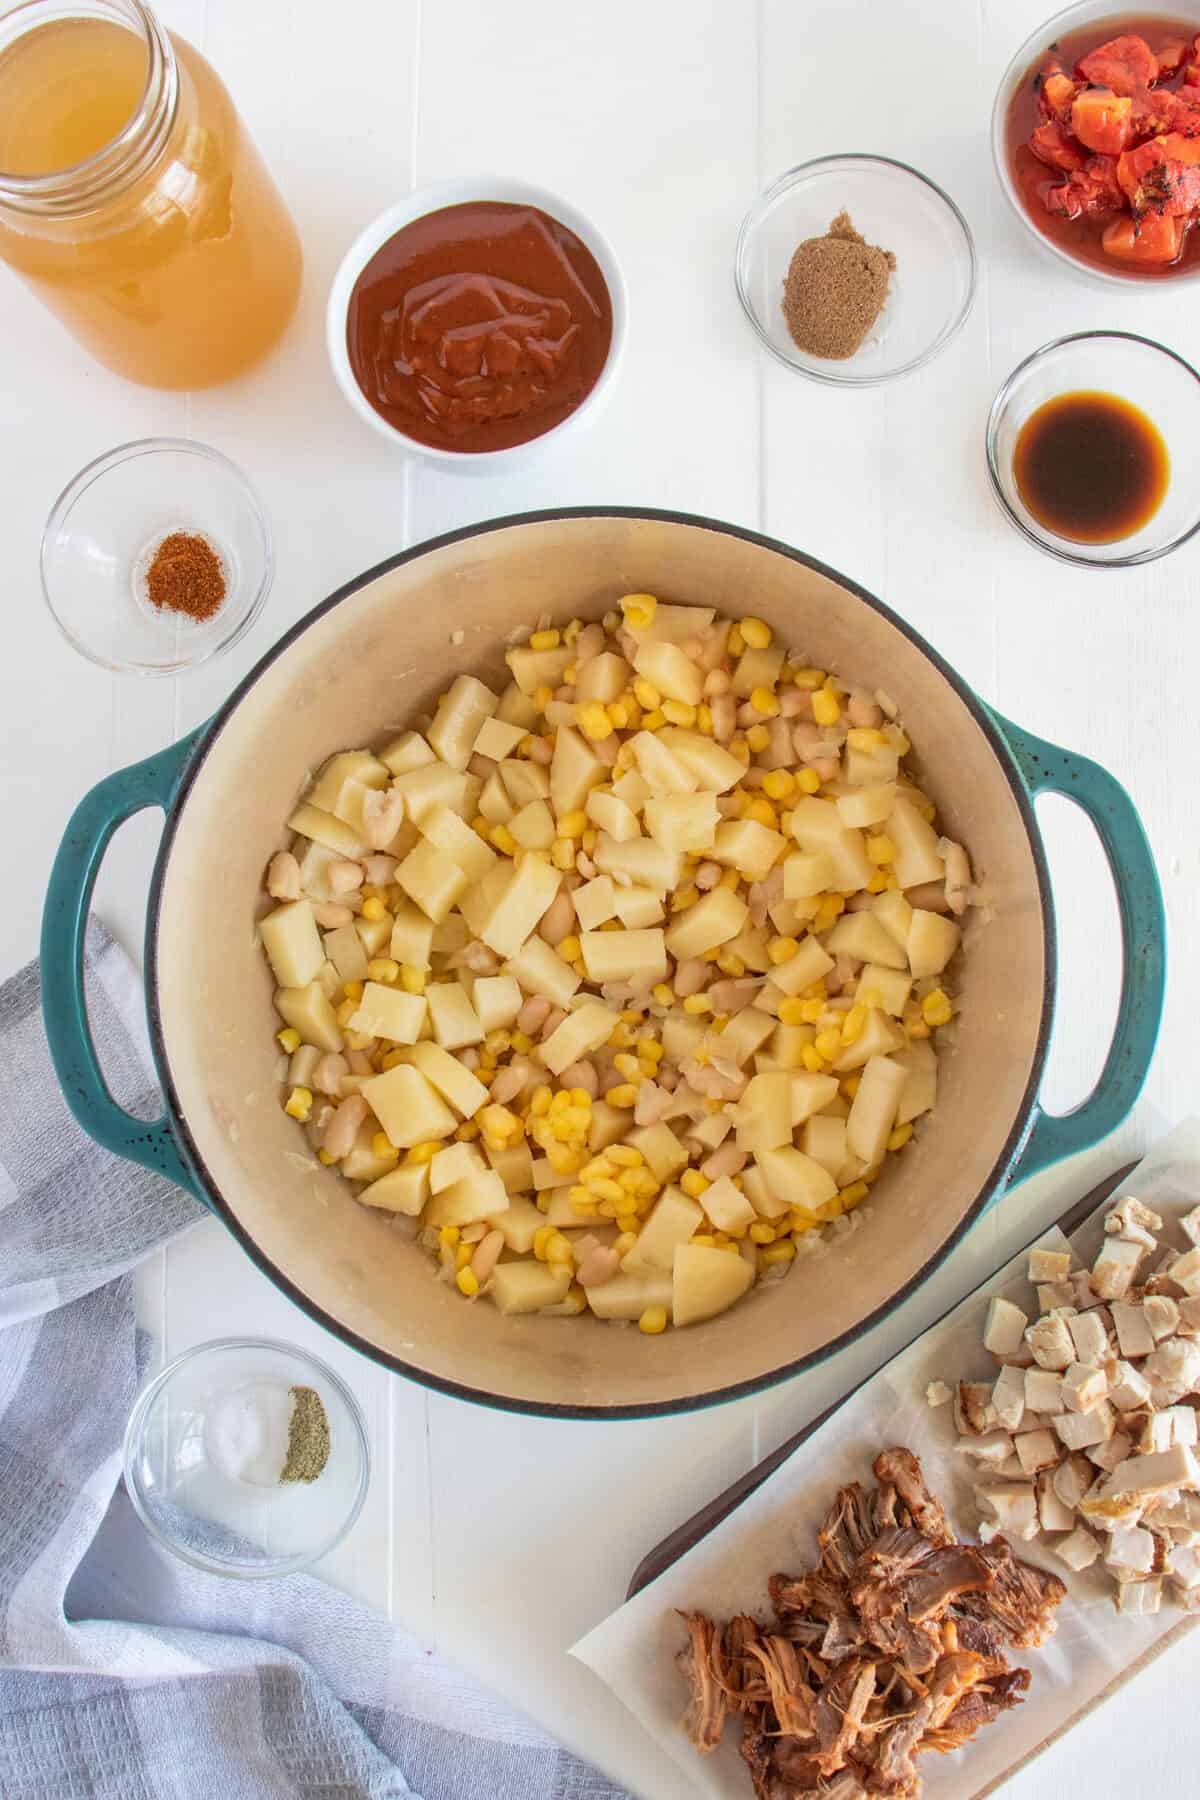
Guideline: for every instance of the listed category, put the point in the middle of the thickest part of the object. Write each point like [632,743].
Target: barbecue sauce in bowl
[479,326]
[1091,467]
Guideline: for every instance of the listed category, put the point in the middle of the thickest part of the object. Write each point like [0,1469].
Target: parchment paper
[1092,1652]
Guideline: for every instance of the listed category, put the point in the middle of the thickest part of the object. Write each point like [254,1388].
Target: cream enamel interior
[362,670]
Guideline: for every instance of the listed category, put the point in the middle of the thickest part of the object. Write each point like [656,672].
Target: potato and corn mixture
[623,983]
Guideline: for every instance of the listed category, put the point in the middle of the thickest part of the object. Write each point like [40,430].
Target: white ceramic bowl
[432,199]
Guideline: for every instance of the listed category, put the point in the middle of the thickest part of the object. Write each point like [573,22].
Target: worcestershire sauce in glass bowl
[1091,467]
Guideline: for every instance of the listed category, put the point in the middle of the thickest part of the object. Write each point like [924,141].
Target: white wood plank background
[662,120]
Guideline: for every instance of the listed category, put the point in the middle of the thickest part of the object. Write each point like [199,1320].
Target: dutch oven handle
[1047,769]
[64,924]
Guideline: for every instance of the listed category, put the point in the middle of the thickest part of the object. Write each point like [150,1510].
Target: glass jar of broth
[132,200]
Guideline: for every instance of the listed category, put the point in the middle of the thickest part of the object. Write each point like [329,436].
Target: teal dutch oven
[355,669]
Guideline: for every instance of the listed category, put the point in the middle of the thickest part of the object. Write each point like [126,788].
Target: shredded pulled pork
[891,1646]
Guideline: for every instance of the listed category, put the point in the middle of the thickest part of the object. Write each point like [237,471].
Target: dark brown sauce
[1091,467]
[1081,237]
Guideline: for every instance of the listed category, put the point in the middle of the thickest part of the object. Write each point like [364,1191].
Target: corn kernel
[808,781]
[757,738]
[692,1181]
[412,979]
[679,712]
[562,854]
[646,694]
[730,964]
[881,849]
[572,630]
[828,1044]
[423,1153]
[353,990]
[558,1248]
[791,1010]
[663,994]
[563,1160]
[639,611]
[542,696]
[545,640]
[628,1221]
[854,1195]
[756,633]
[697,1003]
[899,1137]
[740,748]
[383,969]
[448,1236]
[762,1233]
[936,1008]
[467,1132]
[811,1059]
[620,714]
[382,1145]
[541,1238]
[778,783]
[373,908]
[782,949]
[467,1283]
[324,1157]
[735,643]
[288,1040]
[503,839]
[801,1220]
[570,949]
[762,812]
[298,1104]
[704,719]
[763,701]
[463,1255]
[864,737]
[654,720]
[572,824]
[826,710]
[853,1024]
[779,1253]
[622,1096]
[878,883]
[594,720]
[628,1065]
[653,1321]
[809,679]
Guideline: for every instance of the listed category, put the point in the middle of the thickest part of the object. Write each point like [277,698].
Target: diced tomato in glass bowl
[1096,134]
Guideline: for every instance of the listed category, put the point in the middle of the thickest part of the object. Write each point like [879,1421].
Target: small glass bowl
[197,1424]
[102,533]
[932,286]
[1149,376]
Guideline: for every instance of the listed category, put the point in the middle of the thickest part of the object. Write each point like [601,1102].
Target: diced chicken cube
[1012,1505]
[1130,1547]
[1191,1225]
[1162,1315]
[1132,1328]
[1185,1272]
[1175,1365]
[972,1406]
[1141,1477]
[1131,1220]
[1084,1386]
[1043,1391]
[1189,1317]
[1079,1430]
[1079,1551]
[1049,1265]
[1052,1514]
[1128,1388]
[1183,1569]
[1008,1397]
[1005,1327]
[1081,1282]
[1089,1337]
[937,1393]
[1037,1450]
[1139,1598]
[1053,1296]
[1114,1269]
[1072,1479]
[994,1447]
[1113,1451]
[1050,1342]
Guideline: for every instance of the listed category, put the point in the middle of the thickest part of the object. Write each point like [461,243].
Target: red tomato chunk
[1123,64]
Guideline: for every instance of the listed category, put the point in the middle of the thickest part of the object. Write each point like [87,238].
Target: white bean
[342,1129]
[330,917]
[795,703]
[532,1015]
[474,1233]
[283,876]
[539,750]
[930,896]
[552,1021]
[589,643]
[328,1074]
[469,1058]
[581,1075]
[597,1266]
[480,959]
[379,869]
[487,1255]
[724,717]
[717,681]
[827,767]
[690,976]
[807,739]
[606,749]
[584,865]
[707,876]
[345,877]
[558,920]
[508,1084]
[483,766]
[958,876]
[727,1160]
[382,816]
[862,710]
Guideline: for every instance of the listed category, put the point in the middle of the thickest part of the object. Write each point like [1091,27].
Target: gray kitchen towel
[125,1675]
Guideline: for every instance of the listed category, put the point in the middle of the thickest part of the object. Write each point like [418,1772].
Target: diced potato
[715,919]
[388,1012]
[516,708]
[866,806]
[363,1161]
[785,1048]
[811,1094]
[524,781]
[610,814]
[594,902]
[454,1020]
[454,836]
[430,785]
[745,1033]
[452,1164]
[608,1126]
[528,1286]
[315,864]
[757,668]
[562,1214]
[873,1109]
[324,829]
[682,1033]
[479,902]
[683,821]
[373,934]
[671,624]
[541,970]
[532,669]
[633,788]
[431,878]
[451,934]
[672,1222]
[330,983]
[806,873]
[824,1139]
[344,948]
[533,826]
[706,1282]
[765,1203]
[497,1000]
[578,1035]
[453,1081]
[664,1153]
[637,956]
[412,937]
[514,1166]
[932,941]
[407,1107]
[880,1036]
[628,1296]
[518,1224]
[408,751]
[727,1206]
[675,675]
[796,1178]
[497,739]
[811,963]
[640,859]
[747,846]
[521,904]
[494,802]
[574,771]
[860,935]
[478,1195]
[868,768]
[885,988]
[461,710]
[714,768]
[348,765]
[308,1010]
[659,767]
[602,678]
[292,943]
[919,1093]
[404,1190]
[764,1113]
[895,914]
[917,859]
[818,825]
